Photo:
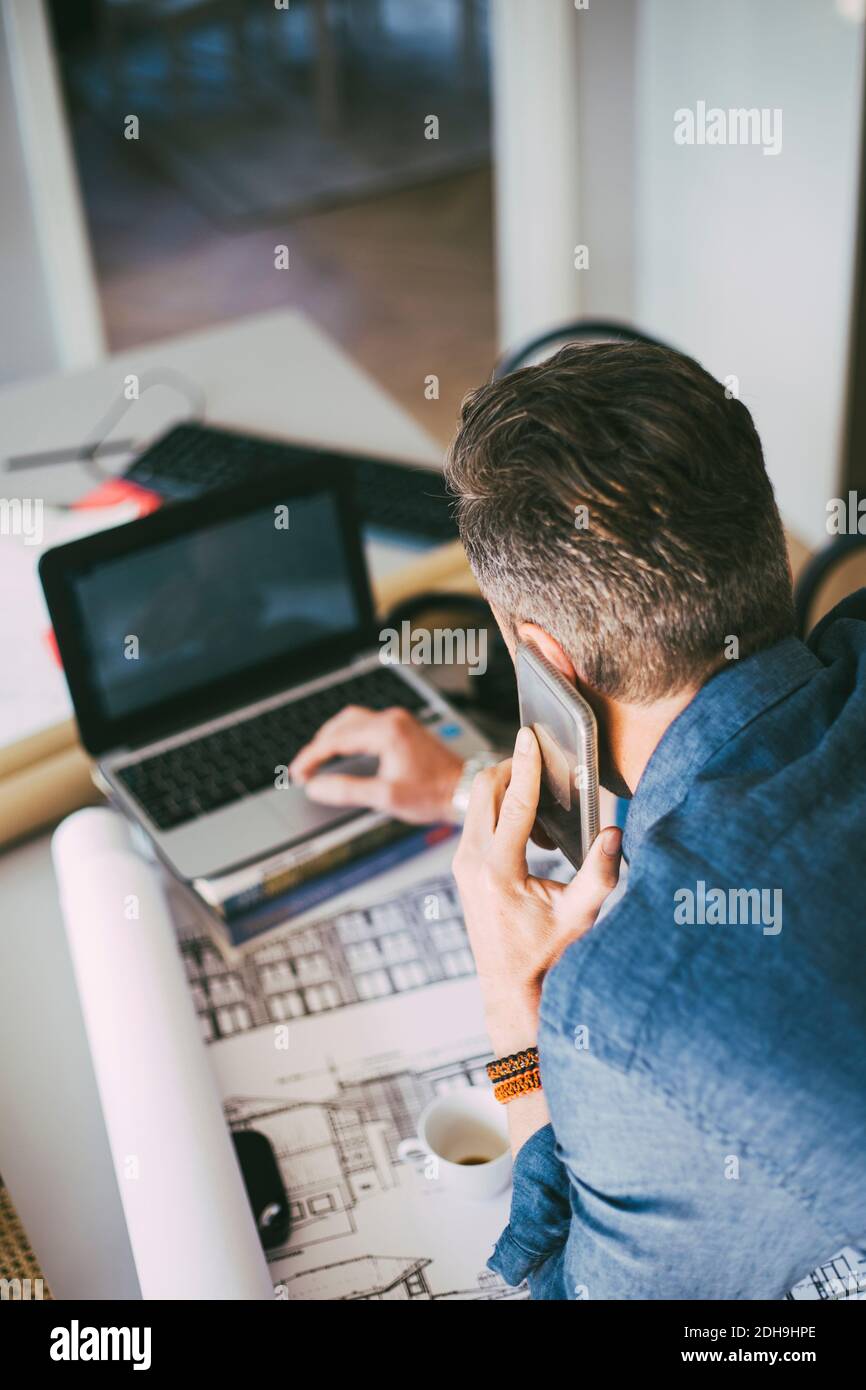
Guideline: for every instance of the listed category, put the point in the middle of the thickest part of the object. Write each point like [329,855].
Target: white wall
[535,164]
[50,305]
[606,70]
[745,259]
[27,334]
[564,149]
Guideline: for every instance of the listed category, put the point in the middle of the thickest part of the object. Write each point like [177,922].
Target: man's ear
[549,648]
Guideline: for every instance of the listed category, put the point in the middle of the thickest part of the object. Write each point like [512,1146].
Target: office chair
[838,569]
[580,331]
[493,692]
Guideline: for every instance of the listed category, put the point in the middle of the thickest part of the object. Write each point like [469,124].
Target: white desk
[275,373]
[272,374]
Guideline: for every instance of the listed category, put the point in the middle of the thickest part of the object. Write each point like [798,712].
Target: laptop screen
[236,605]
[185,613]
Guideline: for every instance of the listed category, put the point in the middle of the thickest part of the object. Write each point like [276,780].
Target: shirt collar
[736,695]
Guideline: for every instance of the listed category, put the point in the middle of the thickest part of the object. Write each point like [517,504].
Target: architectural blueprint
[358,957]
[842,1277]
[330,1039]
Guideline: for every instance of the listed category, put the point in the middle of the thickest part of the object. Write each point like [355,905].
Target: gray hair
[617,497]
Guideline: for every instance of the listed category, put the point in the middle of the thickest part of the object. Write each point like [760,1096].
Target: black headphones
[493,691]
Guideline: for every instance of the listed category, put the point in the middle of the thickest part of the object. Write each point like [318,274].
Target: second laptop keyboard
[192,779]
[392,497]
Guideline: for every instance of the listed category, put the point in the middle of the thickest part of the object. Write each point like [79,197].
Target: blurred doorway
[207,132]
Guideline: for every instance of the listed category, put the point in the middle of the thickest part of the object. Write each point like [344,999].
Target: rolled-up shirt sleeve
[630,1199]
[532,1244]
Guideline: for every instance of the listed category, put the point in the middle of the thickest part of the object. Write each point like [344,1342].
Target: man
[701,1130]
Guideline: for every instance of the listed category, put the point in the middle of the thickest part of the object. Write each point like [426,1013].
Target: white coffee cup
[463,1144]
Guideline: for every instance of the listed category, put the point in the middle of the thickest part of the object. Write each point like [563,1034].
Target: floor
[404,283]
[402,279]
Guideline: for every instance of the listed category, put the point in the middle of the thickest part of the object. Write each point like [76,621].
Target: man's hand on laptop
[416,776]
[519,925]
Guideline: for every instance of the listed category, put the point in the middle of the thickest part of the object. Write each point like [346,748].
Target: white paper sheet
[33,691]
[330,1039]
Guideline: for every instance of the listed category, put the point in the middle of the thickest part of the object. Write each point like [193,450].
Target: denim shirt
[703,1053]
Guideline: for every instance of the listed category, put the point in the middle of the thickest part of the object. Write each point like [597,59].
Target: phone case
[565,727]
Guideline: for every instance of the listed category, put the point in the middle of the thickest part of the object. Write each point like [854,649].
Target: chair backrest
[836,571]
[544,345]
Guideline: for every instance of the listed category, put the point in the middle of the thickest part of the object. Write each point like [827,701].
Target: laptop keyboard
[194,459]
[217,769]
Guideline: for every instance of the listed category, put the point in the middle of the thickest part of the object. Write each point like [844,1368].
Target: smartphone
[567,734]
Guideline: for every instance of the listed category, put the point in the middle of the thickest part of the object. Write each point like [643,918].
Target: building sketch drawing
[338,1148]
[373,1277]
[367,1277]
[406,943]
[842,1277]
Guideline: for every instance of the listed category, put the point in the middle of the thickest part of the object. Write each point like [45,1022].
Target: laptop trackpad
[352,765]
[300,816]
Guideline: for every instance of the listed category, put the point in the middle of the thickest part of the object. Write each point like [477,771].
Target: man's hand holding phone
[519,925]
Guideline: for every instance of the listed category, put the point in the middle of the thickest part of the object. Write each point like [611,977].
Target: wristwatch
[472,766]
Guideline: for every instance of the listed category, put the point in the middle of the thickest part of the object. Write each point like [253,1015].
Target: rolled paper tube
[39,795]
[190,1225]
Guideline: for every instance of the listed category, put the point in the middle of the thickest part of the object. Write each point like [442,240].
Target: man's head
[617,499]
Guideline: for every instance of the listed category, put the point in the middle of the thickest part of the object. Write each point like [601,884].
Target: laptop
[205,644]
[395,501]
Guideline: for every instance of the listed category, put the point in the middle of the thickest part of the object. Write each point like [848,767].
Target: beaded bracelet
[509,1066]
[514,1075]
[518,1085]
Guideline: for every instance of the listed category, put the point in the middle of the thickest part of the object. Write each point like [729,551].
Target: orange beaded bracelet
[515,1075]
[518,1085]
[509,1066]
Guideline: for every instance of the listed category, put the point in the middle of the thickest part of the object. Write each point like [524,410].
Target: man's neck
[633,732]
[628,734]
